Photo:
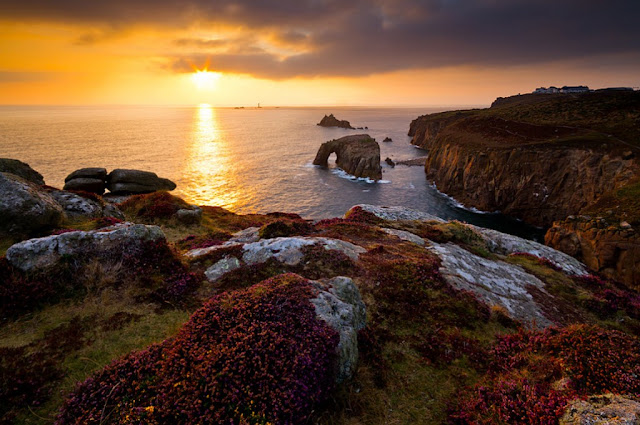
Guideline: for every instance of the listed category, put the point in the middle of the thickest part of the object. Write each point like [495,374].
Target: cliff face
[613,250]
[536,172]
[539,184]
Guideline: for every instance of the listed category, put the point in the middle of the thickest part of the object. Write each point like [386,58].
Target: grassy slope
[423,344]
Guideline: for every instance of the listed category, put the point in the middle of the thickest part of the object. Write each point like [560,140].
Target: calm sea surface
[246,160]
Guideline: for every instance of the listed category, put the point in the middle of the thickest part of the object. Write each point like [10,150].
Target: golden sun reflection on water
[208,169]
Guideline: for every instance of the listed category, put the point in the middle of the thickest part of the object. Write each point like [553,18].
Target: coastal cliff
[540,159]
[528,158]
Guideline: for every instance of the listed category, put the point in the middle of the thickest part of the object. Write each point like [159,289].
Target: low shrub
[251,356]
[284,227]
[533,374]
[203,241]
[153,206]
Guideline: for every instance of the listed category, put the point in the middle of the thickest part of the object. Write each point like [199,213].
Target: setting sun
[205,80]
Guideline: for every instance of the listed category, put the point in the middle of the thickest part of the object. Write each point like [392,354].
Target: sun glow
[205,79]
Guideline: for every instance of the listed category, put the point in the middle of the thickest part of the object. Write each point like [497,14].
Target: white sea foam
[460,205]
[344,175]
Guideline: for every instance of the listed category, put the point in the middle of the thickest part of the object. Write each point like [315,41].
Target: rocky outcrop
[41,254]
[286,250]
[25,207]
[395,213]
[77,207]
[331,121]
[505,244]
[87,179]
[608,409]
[340,305]
[358,155]
[610,249]
[495,282]
[123,181]
[21,169]
[387,139]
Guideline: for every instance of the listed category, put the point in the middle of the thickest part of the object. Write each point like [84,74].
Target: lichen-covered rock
[494,281]
[358,155]
[76,206]
[506,244]
[610,249]
[606,409]
[220,268]
[137,181]
[405,236]
[21,169]
[340,305]
[289,250]
[189,216]
[42,253]
[396,213]
[200,252]
[248,235]
[25,207]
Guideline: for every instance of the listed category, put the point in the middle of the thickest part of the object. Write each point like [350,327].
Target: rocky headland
[150,318]
[358,155]
[541,159]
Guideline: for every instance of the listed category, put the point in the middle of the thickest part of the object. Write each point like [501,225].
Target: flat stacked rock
[123,181]
[87,179]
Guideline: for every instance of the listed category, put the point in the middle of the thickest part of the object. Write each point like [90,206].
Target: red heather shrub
[21,293]
[284,227]
[156,205]
[511,402]
[591,359]
[101,222]
[250,356]
[203,241]
[154,262]
[358,215]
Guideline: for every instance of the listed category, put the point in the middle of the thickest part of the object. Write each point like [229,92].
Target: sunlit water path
[246,160]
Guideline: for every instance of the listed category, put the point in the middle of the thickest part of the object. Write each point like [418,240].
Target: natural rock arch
[358,155]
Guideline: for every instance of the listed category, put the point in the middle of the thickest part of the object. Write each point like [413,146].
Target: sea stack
[358,155]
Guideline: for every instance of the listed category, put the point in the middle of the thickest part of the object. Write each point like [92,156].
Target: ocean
[249,160]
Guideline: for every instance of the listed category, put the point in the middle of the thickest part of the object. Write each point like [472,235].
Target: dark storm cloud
[360,37]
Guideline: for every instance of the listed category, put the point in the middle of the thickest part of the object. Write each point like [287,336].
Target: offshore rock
[123,181]
[21,169]
[358,155]
[610,249]
[25,207]
[340,305]
[331,121]
[608,409]
[112,242]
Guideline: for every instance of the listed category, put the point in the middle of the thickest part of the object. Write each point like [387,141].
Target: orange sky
[70,61]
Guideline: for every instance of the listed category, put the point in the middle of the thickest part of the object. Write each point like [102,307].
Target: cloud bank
[309,38]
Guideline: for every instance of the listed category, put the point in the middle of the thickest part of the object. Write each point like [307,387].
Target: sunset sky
[311,52]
